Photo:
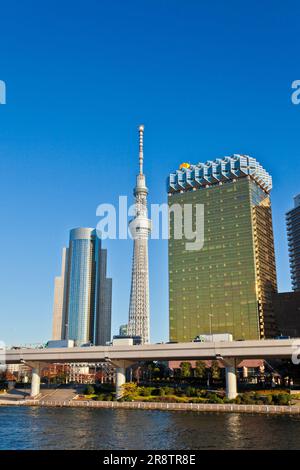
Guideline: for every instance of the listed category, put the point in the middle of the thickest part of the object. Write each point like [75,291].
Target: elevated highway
[122,356]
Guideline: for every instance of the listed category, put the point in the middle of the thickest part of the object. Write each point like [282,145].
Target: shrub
[107,397]
[228,400]
[216,400]
[144,391]
[190,392]
[129,390]
[248,398]
[179,392]
[262,399]
[99,397]
[169,390]
[282,399]
[128,398]
[268,400]
[211,396]
[198,400]
[248,401]
[89,390]
[170,399]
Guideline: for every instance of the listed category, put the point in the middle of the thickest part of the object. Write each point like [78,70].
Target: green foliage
[103,397]
[89,390]
[198,400]
[268,400]
[169,390]
[214,398]
[282,399]
[228,401]
[186,369]
[200,370]
[155,369]
[190,392]
[129,390]
[128,398]
[215,370]
[99,397]
[167,399]
[144,391]
[248,399]
[108,397]
[256,398]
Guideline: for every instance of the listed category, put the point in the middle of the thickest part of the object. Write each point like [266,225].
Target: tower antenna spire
[141,149]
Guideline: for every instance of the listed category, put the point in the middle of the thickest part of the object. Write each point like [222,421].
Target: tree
[200,369]
[215,370]
[185,369]
[62,378]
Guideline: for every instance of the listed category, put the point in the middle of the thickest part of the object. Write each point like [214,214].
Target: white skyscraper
[59,299]
[140,227]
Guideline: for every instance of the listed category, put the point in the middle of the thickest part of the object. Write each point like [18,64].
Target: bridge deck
[176,351]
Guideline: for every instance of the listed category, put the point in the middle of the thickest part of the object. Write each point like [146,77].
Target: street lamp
[210,322]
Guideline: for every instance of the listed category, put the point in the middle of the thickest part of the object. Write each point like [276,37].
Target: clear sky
[207,79]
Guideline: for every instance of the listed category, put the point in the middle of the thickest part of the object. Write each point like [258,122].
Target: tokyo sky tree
[140,227]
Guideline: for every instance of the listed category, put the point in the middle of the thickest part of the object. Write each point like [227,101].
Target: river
[69,428]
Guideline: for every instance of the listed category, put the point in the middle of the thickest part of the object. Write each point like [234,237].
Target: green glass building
[227,285]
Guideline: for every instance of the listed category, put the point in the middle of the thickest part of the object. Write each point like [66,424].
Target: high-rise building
[82,300]
[58,329]
[140,226]
[287,313]
[227,285]
[103,297]
[293,232]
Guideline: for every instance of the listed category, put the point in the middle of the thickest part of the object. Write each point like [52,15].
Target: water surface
[70,428]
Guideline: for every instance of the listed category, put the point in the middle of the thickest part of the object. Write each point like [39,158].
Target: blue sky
[207,79]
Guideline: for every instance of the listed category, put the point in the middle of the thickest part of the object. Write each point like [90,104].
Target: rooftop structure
[221,170]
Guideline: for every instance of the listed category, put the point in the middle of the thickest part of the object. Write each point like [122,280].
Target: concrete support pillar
[120,380]
[35,381]
[36,368]
[231,379]
[121,367]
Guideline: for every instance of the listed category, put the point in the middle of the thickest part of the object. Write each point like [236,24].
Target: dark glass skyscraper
[82,301]
[293,232]
[227,285]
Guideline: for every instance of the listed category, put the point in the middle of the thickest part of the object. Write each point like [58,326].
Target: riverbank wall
[196,407]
